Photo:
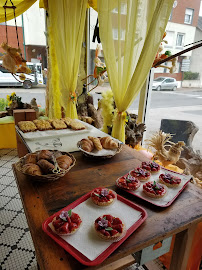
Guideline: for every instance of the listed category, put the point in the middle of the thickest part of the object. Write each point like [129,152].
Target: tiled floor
[16,246]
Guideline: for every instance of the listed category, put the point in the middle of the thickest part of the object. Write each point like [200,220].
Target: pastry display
[27,126]
[64,162]
[76,125]
[108,143]
[42,124]
[58,124]
[151,166]
[128,182]
[140,174]
[46,166]
[154,189]
[45,154]
[96,142]
[31,158]
[103,196]
[169,180]
[109,227]
[31,169]
[87,145]
[66,223]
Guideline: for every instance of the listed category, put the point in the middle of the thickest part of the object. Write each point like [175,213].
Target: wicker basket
[93,155]
[47,177]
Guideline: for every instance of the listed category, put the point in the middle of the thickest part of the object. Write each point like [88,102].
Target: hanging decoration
[12,58]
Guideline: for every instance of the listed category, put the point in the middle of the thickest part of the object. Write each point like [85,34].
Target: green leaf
[70,212]
[108,229]
[104,217]
[97,194]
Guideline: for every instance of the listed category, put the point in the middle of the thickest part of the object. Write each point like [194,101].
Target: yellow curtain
[130,31]
[67,20]
[21,6]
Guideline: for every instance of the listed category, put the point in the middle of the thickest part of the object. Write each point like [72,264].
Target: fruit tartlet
[66,223]
[151,166]
[128,182]
[169,180]
[109,227]
[154,190]
[140,174]
[103,196]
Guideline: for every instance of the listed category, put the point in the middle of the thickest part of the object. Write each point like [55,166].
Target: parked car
[164,83]
[36,77]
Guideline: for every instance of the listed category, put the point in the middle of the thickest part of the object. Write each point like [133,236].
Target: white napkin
[85,239]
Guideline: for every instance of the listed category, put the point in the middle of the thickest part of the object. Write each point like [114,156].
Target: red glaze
[140,174]
[98,195]
[170,179]
[66,227]
[150,166]
[103,223]
[128,182]
[156,189]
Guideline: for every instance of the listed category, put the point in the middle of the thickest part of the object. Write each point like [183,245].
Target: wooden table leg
[182,247]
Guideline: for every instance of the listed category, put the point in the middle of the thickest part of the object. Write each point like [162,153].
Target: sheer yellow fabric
[67,20]
[130,31]
[21,6]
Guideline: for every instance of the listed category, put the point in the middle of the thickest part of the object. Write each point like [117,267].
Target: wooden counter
[41,200]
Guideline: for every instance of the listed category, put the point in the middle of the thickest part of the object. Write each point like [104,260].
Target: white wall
[34,26]
[189,32]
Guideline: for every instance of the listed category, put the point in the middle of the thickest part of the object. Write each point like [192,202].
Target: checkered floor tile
[16,246]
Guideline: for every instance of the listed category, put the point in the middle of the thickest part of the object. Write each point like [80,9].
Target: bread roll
[46,166]
[31,169]
[45,154]
[64,162]
[31,158]
[87,145]
[108,143]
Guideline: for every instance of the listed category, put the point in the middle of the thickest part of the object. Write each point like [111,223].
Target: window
[170,17]
[180,40]
[188,15]
[115,34]
[169,37]
[123,9]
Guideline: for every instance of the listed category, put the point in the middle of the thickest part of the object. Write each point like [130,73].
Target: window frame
[192,16]
[176,44]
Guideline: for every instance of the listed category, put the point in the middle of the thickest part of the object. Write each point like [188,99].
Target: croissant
[87,145]
[32,169]
[108,143]
[96,142]
[64,162]
[45,166]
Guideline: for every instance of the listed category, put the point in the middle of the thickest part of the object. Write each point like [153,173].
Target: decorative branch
[178,54]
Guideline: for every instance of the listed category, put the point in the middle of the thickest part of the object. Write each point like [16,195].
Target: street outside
[182,104]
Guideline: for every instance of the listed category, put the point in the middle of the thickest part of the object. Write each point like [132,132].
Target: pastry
[103,196]
[169,180]
[31,169]
[87,145]
[64,162]
[140,174]
[58,124]
[108,143]
[42,124]
[151,166]
[66,223]
[109,227]
[30,158]
[96,142]
[154,190]
[76,125]
[45,154]
[27,126]
[128,182]
[45,166]
[67,121]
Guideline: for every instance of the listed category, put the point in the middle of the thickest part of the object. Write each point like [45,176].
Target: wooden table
[41,200]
